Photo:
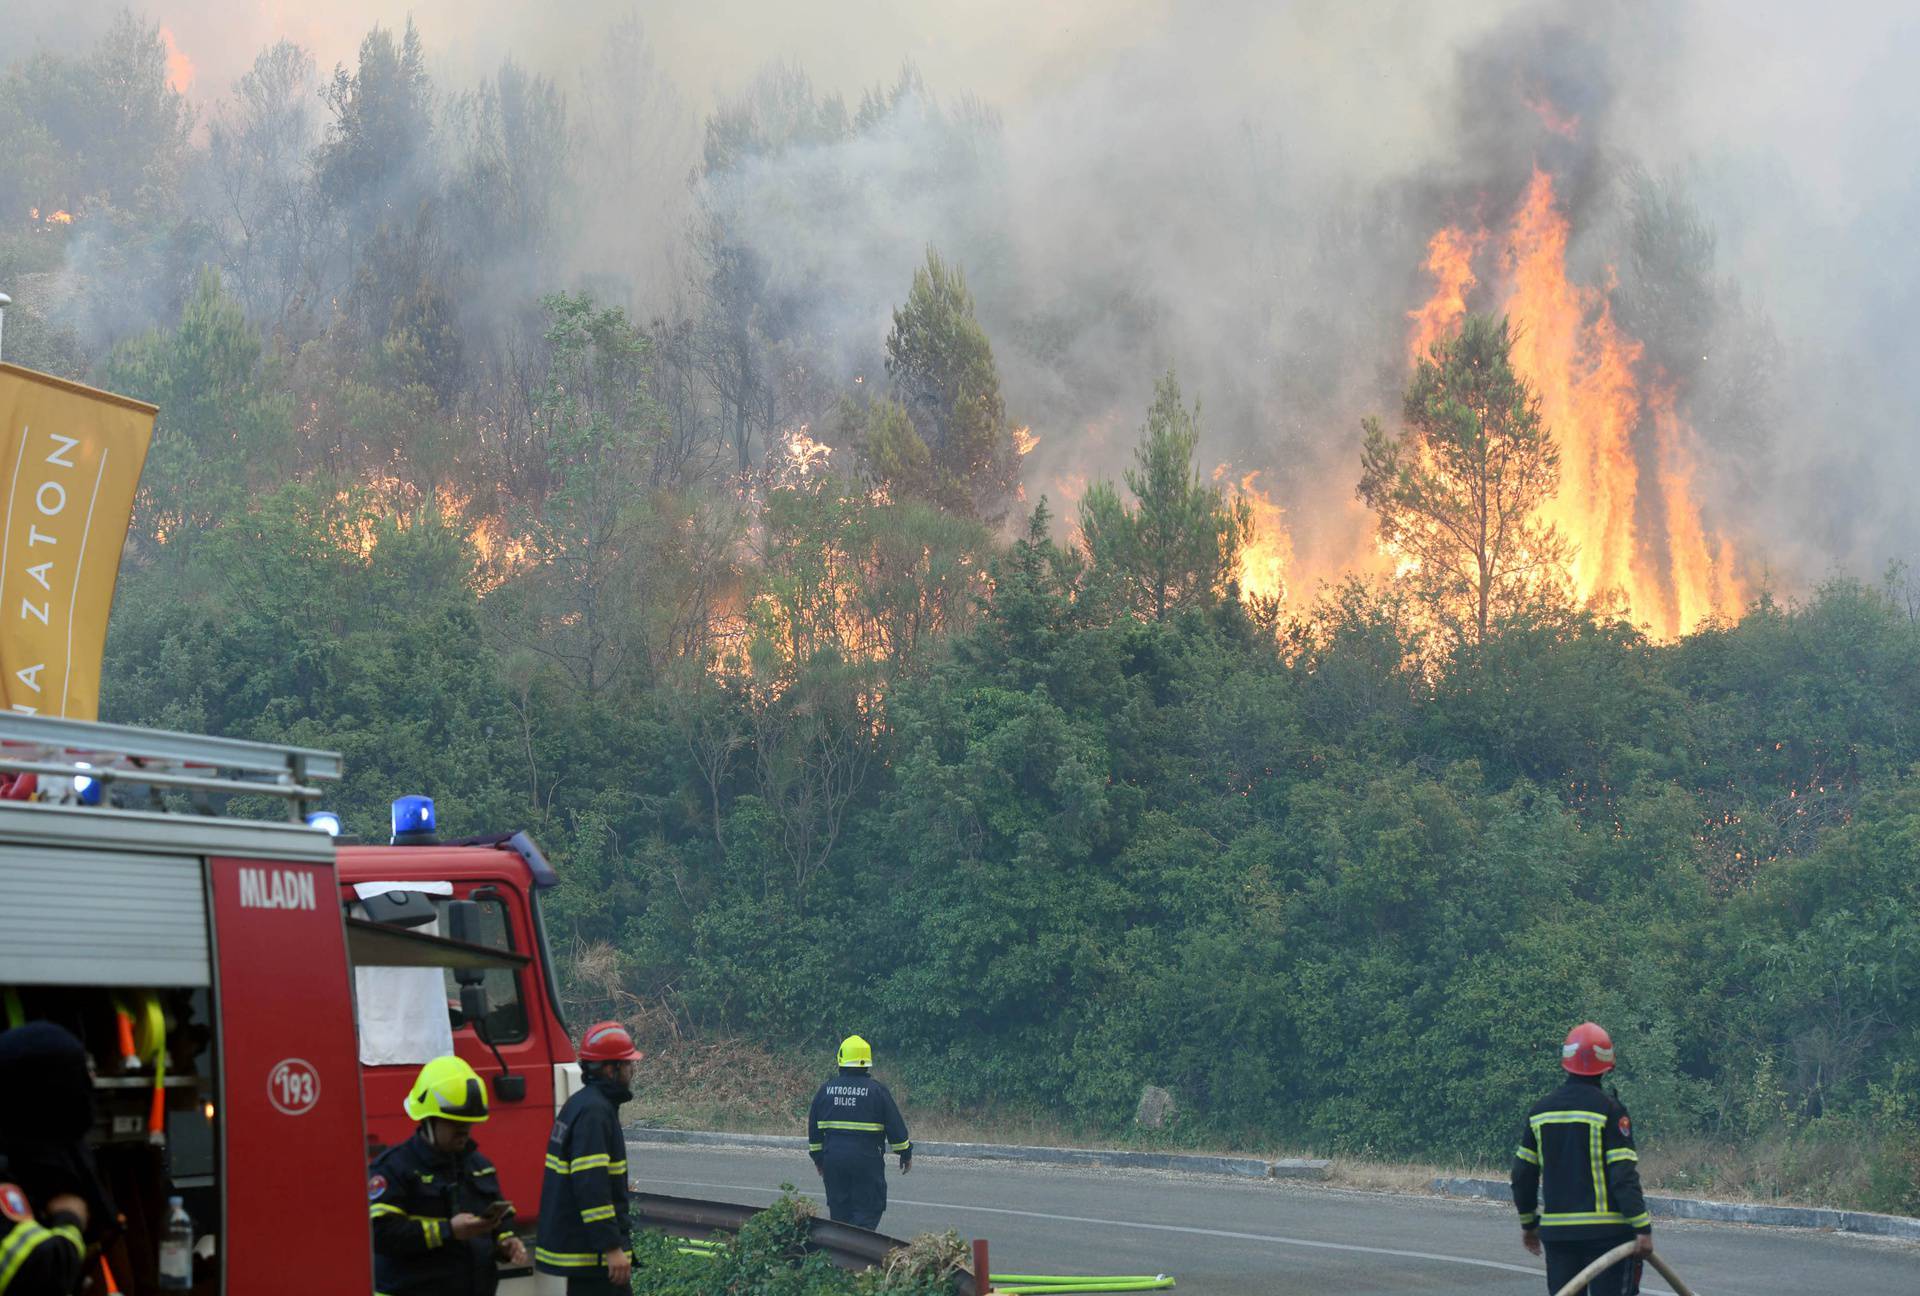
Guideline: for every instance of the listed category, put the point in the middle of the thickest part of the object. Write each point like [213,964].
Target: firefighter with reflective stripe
[439,1224]
[48,1188]
[851,1126]
[585,1232]
[1576,1176]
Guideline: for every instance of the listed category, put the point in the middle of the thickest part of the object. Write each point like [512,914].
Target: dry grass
[721,1085]
[930,1256]
[1786,1170]
[1383,1176]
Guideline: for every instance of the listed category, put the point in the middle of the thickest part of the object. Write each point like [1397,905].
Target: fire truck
[257,993]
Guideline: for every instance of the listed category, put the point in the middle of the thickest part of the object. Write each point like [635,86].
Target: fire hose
[1615,1256]
[1046,1284]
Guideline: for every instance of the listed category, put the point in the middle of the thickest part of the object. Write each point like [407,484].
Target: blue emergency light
[326,821]
[413,820]
[86,788]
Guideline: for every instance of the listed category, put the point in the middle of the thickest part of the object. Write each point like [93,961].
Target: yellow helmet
[449,1088]
[856,1052]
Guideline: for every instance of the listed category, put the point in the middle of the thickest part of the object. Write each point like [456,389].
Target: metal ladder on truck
[83,762]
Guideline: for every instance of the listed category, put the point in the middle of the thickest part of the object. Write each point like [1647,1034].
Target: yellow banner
[70,458]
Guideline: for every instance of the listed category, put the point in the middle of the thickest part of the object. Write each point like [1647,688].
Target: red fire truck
[230,978]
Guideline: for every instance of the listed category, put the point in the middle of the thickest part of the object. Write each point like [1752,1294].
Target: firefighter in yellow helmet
[439,1222]
[852,1125]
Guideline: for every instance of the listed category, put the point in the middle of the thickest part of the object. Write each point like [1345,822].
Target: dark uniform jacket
[414,1192]
[1576,1173]
[37,1259]
[583,1198]
[854,1117]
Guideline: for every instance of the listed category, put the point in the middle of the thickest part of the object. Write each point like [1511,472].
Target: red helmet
[1588,1050]
[608,1041]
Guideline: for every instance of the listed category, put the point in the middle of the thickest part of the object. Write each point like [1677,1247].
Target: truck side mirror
[463,924]
[463,921]
[473,997]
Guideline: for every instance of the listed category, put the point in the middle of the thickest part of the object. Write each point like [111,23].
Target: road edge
[1239,1167]
[1698,1208]
[1867,1223]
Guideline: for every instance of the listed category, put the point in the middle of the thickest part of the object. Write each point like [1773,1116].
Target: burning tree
[1458,494]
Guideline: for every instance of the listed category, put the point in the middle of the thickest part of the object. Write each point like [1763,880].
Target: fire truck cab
[485,893]
[225,975]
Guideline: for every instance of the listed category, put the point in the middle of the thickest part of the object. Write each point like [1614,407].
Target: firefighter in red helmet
[1576,1177]
[585,1232]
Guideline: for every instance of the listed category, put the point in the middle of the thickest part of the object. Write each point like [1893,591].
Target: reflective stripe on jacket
[855,1115]
[583,1197]
[413,1193]
[1576,1172]
[36,1257]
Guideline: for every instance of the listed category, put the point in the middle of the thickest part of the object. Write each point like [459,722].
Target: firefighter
[439,1223]
[851,1126]
[49,1191]
[585,1233]
[1576,1178]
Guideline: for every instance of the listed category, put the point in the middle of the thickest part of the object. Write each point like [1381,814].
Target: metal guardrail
[846,1246]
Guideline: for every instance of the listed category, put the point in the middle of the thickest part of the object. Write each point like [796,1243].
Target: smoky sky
[1243,192]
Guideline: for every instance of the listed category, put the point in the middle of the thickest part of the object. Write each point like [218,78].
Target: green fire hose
[1045,1284]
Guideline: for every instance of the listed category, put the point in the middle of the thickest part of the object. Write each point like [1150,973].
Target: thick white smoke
[1243,191]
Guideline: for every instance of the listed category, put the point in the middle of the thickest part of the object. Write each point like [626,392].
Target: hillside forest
[835,714]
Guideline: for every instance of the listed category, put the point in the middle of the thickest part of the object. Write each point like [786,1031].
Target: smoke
[1243,191]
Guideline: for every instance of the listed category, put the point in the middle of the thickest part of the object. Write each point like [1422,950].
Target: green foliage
[943,375]
[377,149]
[224,428]
[595,526]
[769,1257]
[1180,542]
[1459,492]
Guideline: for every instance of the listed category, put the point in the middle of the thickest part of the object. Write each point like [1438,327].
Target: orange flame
[1580,363]
[1450,262]
[1024,441]
[179,66]
[1266,559]
[499,555]
[802,456]
[1704,585]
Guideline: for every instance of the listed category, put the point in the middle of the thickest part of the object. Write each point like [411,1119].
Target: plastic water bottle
[176,1249]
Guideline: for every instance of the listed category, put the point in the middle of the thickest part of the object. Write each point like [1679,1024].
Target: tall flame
[1267,557]
[1656,551]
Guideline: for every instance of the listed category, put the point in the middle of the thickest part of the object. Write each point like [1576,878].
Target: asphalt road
[1226,1237]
